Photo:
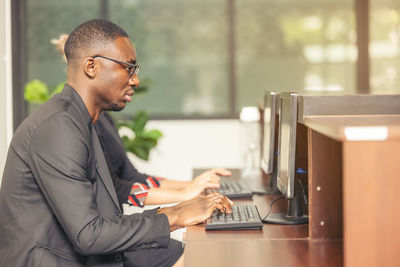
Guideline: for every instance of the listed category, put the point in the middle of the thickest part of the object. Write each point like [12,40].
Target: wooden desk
[369,171]
[274,245]
[353,192]
[261,253]
[269,231]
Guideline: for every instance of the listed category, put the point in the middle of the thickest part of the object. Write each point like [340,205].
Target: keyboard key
[232,189]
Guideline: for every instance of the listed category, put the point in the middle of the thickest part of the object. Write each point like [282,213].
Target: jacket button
[154,244]
[143,246]
[117,215]
[118,257]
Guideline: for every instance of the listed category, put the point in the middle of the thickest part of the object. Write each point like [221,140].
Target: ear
[90,67]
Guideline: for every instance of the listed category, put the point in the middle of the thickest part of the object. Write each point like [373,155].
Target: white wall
[188,144]
[5,82]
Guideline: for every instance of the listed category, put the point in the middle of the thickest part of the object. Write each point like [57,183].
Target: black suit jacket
[58,206]
[123,173]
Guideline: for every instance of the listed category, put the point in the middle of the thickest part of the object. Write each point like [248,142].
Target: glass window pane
[293,45]
[384,46]
[46,20]
[182,46]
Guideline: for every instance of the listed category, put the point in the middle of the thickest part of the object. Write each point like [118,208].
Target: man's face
[115,84]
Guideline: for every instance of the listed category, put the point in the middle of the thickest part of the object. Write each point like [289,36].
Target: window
[306,46]
[207,59]
[384,47]
[46,20]
[183,46]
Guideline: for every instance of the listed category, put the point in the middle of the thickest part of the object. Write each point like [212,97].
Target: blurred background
[205,60]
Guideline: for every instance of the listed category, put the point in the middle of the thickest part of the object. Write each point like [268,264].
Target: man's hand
[196,210]
[208,179]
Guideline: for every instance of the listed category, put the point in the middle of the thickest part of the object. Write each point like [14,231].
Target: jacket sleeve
[60,159]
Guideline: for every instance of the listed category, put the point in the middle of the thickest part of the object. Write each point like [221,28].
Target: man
[136,188]
[139,189]
[58,206]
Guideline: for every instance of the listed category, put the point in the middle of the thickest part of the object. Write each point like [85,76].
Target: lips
[128,95]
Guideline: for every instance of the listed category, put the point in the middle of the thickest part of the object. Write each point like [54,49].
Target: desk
[269,231]
[274,245]
[370,173]
[353,210]
[261,253]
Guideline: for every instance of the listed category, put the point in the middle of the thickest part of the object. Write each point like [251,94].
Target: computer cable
[299,172]
[270,208]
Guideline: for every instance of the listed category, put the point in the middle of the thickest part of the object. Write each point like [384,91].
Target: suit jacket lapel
[102,169]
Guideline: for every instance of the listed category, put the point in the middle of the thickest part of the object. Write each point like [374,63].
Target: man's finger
[227,204]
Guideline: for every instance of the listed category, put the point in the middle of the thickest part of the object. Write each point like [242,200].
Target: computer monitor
[270,139]
[288,184]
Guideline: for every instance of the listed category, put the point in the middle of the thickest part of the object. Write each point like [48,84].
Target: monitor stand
[272,189]
[295,213]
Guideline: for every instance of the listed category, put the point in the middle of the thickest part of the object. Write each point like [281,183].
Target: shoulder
[58,121]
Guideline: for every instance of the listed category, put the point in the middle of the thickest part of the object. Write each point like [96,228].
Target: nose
[134,81]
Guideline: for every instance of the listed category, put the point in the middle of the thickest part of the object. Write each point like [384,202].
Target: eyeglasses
[133,69]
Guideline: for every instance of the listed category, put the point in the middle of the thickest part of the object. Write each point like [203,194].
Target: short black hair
[95,32]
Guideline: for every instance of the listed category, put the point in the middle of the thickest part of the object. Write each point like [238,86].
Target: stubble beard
[115,107]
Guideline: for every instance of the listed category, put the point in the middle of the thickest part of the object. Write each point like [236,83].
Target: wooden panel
[302,152]
[324,186]
[257,253]
[371,208]
[317,105]
[334,126]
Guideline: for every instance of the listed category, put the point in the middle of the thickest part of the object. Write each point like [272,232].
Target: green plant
[37,91]
[143,140]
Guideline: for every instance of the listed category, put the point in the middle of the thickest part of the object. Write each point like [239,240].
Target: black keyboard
[243,217]
[232,189]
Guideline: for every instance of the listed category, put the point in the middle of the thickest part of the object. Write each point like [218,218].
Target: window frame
[19,59]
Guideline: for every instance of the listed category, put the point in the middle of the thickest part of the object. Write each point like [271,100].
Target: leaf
[145,143]
[58,89]
[140,120]
[144,140]
[152,134]
[126,141]
[140,152]
[36,91]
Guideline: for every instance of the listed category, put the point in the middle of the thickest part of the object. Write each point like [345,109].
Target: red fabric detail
[132,201]
[152,181]
[142,195]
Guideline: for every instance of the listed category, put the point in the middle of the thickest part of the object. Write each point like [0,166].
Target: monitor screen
[271,102]
[287,143]
[287,183]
